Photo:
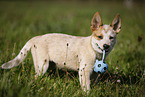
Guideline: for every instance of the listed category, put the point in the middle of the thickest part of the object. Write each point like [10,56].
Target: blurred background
[20,20]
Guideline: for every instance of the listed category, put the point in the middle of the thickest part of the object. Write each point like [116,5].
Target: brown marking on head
[97,26]
[98,33]
[104,34]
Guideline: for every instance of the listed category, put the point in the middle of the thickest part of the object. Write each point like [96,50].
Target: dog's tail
[19,58]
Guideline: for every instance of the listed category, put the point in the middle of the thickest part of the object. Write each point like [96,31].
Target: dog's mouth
[107,50]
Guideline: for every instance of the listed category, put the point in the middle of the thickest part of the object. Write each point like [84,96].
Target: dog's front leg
[84,76]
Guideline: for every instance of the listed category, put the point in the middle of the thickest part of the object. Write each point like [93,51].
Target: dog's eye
[101,37]
[111,37]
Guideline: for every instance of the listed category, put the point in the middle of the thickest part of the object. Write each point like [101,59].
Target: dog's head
[104,36]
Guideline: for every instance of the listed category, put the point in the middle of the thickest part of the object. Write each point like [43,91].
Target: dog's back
[62,49]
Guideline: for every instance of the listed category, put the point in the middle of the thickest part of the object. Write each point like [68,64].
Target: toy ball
[100,66]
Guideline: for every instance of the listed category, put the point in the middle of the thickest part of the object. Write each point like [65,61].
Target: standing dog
[71,52]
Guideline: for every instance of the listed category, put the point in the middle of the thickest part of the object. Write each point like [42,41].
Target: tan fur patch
[97,33]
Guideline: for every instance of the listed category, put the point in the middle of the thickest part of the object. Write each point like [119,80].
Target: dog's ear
[116,23]
[96,21]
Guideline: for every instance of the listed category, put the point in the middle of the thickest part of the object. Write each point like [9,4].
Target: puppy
[71,52]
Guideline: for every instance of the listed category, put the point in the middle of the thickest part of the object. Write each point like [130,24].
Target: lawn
[20,21]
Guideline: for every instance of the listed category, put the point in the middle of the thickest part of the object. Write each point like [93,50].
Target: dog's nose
[106,46]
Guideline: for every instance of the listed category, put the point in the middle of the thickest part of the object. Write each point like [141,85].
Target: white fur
[69,52]
[79,55]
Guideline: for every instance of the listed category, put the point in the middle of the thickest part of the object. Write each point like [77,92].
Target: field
[20,21]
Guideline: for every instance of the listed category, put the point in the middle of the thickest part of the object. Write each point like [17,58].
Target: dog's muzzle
[105,46]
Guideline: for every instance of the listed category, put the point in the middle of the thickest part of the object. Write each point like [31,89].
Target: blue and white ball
[100,66]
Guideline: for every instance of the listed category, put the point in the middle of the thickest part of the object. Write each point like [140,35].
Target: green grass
[20,21]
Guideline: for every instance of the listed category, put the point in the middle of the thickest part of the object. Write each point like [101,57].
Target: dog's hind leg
[40,59]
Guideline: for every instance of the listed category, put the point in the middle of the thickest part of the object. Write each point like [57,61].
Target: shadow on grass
[130,78]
